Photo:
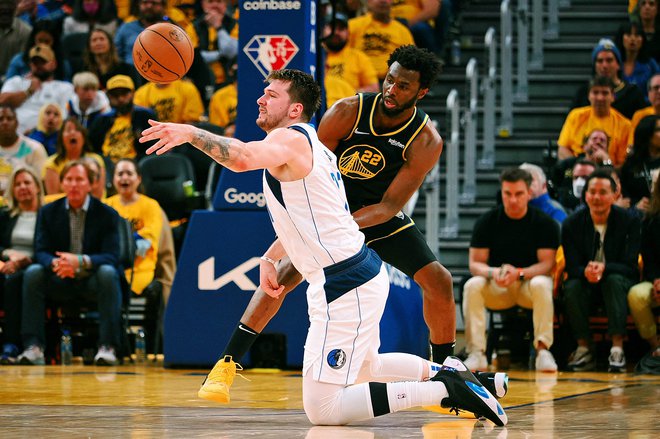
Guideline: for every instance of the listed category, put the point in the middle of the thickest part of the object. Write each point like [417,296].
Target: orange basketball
[162,53]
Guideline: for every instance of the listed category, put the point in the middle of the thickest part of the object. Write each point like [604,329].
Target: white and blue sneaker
[497,383]
[465,392]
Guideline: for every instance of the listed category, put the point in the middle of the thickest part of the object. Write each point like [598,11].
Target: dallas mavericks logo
[270,52]
[336,358]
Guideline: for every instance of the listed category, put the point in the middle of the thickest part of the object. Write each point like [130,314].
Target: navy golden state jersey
[369,161]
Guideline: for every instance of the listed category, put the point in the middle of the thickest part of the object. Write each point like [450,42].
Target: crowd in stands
[72,106]
[603,193]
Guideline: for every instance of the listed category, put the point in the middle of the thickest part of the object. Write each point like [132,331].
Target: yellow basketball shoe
[219,380]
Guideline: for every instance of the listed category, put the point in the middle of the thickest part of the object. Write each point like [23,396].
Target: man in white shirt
[16,150]
[30,92]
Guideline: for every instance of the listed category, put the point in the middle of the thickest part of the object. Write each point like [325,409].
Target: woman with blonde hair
[17,228]
[49,123]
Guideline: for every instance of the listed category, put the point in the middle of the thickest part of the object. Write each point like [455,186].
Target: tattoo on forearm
[217,147]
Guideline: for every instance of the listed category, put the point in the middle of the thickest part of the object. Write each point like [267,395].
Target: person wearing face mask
[72,144]
[88,14]
[115,134]
[594,150]
[346,63]
[569,193]
[28,93]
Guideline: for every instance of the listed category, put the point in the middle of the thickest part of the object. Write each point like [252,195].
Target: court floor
[148,401]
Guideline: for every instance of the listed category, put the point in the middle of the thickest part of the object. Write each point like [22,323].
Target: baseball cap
[120,81]
[42,51]
[339,18]
[606,44]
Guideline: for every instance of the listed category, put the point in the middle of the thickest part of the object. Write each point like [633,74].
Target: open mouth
[389,103]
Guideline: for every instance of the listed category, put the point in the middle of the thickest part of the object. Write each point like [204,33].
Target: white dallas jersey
[310,215]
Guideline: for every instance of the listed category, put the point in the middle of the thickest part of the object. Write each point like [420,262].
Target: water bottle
[140,346]
[66,348]
[188,188]
[456,53]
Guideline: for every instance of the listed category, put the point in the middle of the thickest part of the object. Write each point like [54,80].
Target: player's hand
[268,280]
[169,135]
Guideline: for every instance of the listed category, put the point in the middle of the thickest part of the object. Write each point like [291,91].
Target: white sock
[407,394]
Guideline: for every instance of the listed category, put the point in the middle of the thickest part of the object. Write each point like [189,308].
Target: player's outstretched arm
[422,155]
[277,149]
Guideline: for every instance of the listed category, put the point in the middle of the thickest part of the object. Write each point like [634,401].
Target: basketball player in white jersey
[344,378]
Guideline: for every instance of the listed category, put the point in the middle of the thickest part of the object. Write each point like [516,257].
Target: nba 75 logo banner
[270,52]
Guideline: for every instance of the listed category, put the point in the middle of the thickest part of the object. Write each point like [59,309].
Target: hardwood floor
[148,401]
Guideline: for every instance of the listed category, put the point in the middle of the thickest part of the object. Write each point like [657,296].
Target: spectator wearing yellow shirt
[211,33]
[377,34]
[346,63]
[600,114]
[178,101]
[417,15]
[115,134]
[144,215]
[335,89]
[222,108]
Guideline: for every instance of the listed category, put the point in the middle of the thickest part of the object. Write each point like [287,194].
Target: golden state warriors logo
[361,162]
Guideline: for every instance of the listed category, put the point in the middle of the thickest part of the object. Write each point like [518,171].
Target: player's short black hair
[603,173]
[303,89]
[513,175]
[420,60]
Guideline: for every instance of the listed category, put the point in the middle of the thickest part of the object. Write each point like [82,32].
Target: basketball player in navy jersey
[345,379]
[385,147]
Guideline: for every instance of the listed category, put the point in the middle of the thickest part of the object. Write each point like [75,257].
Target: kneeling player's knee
[322,411]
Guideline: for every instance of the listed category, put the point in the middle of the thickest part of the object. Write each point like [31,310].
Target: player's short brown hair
[303,89]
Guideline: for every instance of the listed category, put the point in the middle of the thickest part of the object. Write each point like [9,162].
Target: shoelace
[455,410]
[222,372]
